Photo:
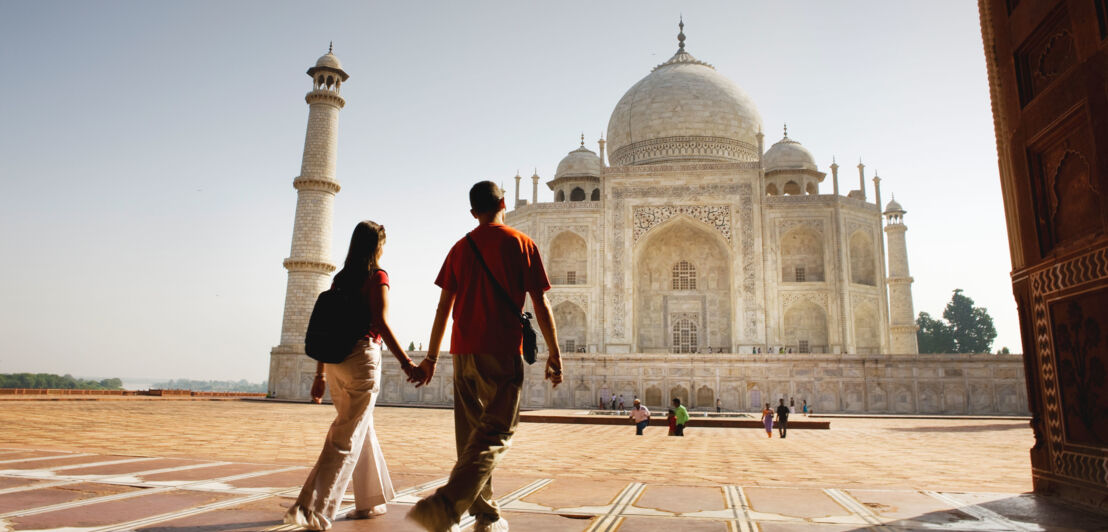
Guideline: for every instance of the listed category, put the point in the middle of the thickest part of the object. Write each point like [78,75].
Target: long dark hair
[365,246]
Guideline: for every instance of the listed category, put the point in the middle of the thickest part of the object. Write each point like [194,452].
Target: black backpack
[339,319]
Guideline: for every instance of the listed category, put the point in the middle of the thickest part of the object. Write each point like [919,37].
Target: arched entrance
[682,280]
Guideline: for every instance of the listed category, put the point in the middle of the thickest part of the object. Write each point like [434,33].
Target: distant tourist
[792,405]
[681,415]
[613,401]
[490,264]
[351,448]
[804,405]
[782,417]
[640,415]
[621,402]
[767,420]
[719,405]
[671,419]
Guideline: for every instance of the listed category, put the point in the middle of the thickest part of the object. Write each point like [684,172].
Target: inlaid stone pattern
[717,217]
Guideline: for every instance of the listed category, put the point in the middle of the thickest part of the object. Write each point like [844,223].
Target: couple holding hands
[486,343]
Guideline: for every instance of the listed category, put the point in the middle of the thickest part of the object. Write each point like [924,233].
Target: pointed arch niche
[806,327]
[568,259]
[867,330]
[660,303]
[572,330]
[801,256]
[863,266]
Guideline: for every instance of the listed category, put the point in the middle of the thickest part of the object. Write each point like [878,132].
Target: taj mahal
[689,257]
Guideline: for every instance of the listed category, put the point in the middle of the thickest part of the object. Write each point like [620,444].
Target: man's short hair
[676,401]
[485,197]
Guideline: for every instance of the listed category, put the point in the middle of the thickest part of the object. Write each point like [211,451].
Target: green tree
[411,346]
[972,326]
[966,329]
[934,336]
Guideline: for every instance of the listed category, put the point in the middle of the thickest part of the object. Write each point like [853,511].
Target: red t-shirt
[372,292]
[483,321]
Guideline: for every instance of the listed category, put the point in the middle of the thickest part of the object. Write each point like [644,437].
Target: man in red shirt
[486,342]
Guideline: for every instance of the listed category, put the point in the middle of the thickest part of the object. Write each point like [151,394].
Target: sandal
[367,514]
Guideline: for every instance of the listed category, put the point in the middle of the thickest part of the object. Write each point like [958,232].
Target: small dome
[329,60]
[893,206]
[581,162]
[788,154]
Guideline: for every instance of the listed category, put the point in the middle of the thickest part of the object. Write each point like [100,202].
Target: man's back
[783,412]
[483,321]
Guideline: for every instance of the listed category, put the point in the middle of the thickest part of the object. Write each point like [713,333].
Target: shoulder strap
[499,289]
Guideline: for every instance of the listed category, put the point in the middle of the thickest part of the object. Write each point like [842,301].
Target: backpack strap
[499,289]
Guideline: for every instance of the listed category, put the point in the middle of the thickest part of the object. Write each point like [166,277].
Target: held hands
[424,372]
[412,371]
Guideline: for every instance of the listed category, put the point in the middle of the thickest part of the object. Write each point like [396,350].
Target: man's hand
[427,370]
[554,369]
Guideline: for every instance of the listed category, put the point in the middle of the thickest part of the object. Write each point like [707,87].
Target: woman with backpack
[351,450]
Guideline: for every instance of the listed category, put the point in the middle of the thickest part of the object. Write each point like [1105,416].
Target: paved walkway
[234,465]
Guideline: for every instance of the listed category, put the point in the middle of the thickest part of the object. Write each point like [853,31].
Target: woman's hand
[413,372]
[427,368]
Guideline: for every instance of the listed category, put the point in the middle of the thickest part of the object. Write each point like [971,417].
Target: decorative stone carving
[790,298]
[786,225]
[1063,320]
[581,300]
[717,217]
[551,231]
[692,148]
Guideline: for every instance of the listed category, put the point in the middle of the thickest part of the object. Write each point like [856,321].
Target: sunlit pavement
[156,464]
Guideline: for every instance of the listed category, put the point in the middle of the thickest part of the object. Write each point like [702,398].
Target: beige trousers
[351,448]
[486,412]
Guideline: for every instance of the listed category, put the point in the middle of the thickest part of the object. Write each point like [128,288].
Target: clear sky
[147,149]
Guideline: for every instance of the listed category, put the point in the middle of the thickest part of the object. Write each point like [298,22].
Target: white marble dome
[894,206]
[788,154]
[329,63]
[581,162]
[329,60]
[683,110]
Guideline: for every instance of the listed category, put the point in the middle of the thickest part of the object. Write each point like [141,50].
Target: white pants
[351,449]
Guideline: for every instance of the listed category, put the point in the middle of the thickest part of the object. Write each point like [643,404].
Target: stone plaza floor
[175,465]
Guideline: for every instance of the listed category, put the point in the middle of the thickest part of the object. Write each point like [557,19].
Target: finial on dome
[681,33]
[582,139]
[331,47]
[833,161]
[786,130]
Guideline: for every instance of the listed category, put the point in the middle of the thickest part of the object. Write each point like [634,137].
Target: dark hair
[365,245]
[676,401]
[484,197]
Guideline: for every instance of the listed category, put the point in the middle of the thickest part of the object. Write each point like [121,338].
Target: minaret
[601,143]
[835,175]
[535,187]
[902,318]
[516,204]
[862,179]
[309,262]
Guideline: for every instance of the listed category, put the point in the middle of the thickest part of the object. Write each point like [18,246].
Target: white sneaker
[500,525]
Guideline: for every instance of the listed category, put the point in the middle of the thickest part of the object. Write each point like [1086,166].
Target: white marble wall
[880,384]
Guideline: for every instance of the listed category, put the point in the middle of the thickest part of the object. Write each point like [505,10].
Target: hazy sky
[147,149]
